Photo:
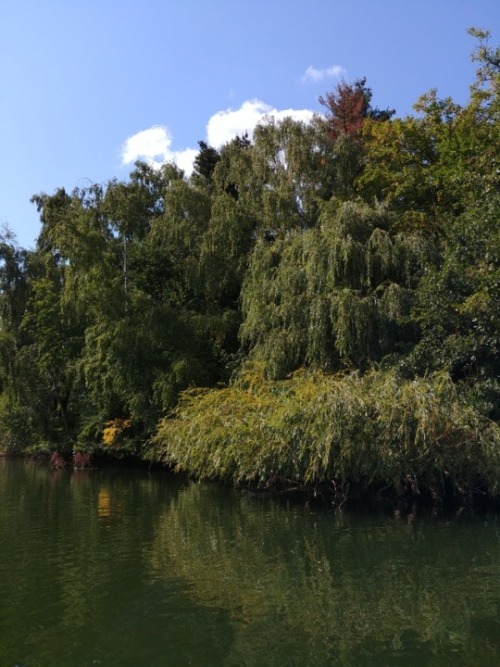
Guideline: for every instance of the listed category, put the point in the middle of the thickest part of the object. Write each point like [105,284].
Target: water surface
[130,568]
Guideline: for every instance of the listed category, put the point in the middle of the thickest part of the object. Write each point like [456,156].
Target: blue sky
[87,87]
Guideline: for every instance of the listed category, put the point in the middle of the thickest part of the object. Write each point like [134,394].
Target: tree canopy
[359,245]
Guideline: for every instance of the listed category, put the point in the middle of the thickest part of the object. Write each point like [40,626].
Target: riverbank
[344,440]
[404,500]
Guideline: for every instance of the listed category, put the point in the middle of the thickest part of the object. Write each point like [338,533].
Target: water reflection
[122,568]
[318,588]
[104,504]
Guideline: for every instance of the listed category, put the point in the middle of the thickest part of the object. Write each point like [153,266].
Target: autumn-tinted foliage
[348,105]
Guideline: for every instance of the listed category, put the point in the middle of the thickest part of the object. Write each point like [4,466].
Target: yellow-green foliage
[113,430]
[369,430]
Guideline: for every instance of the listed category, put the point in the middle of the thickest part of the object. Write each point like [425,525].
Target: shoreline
[350,496]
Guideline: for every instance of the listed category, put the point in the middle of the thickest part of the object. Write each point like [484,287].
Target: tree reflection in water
[307,588]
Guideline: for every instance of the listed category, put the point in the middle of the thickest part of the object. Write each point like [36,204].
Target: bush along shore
[315,308]
[340,436]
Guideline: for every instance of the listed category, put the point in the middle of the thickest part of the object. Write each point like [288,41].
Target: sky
[88,87]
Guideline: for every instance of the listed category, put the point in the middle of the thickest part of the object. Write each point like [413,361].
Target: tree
[205,163]
[349,108]
[488,73]
[349,105]
[335,296]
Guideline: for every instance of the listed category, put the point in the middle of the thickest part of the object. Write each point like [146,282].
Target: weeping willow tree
[339,295]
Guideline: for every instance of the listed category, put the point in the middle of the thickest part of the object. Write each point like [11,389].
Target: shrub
[371,430]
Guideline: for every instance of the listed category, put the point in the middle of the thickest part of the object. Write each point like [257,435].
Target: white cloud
[154,145]
[315,75]
[226,125]
[185,159]
[302,115]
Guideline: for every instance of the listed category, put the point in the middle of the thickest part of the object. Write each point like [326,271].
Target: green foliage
[486,86]
[334,296]
[458,305]
[224,251]
[376,430]
[204,163]
[353,243]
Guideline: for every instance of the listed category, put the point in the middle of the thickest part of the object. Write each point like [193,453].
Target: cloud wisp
[154,145]
[312,74]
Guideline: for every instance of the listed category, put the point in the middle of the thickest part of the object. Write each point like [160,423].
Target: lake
[135,568]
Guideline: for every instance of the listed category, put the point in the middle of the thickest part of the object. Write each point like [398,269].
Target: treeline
[324,299]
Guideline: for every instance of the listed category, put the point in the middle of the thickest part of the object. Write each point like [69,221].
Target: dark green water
[128,569]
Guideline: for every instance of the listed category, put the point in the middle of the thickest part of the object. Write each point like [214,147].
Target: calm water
[125,568]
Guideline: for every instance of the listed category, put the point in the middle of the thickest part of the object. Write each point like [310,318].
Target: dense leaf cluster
[358,243]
